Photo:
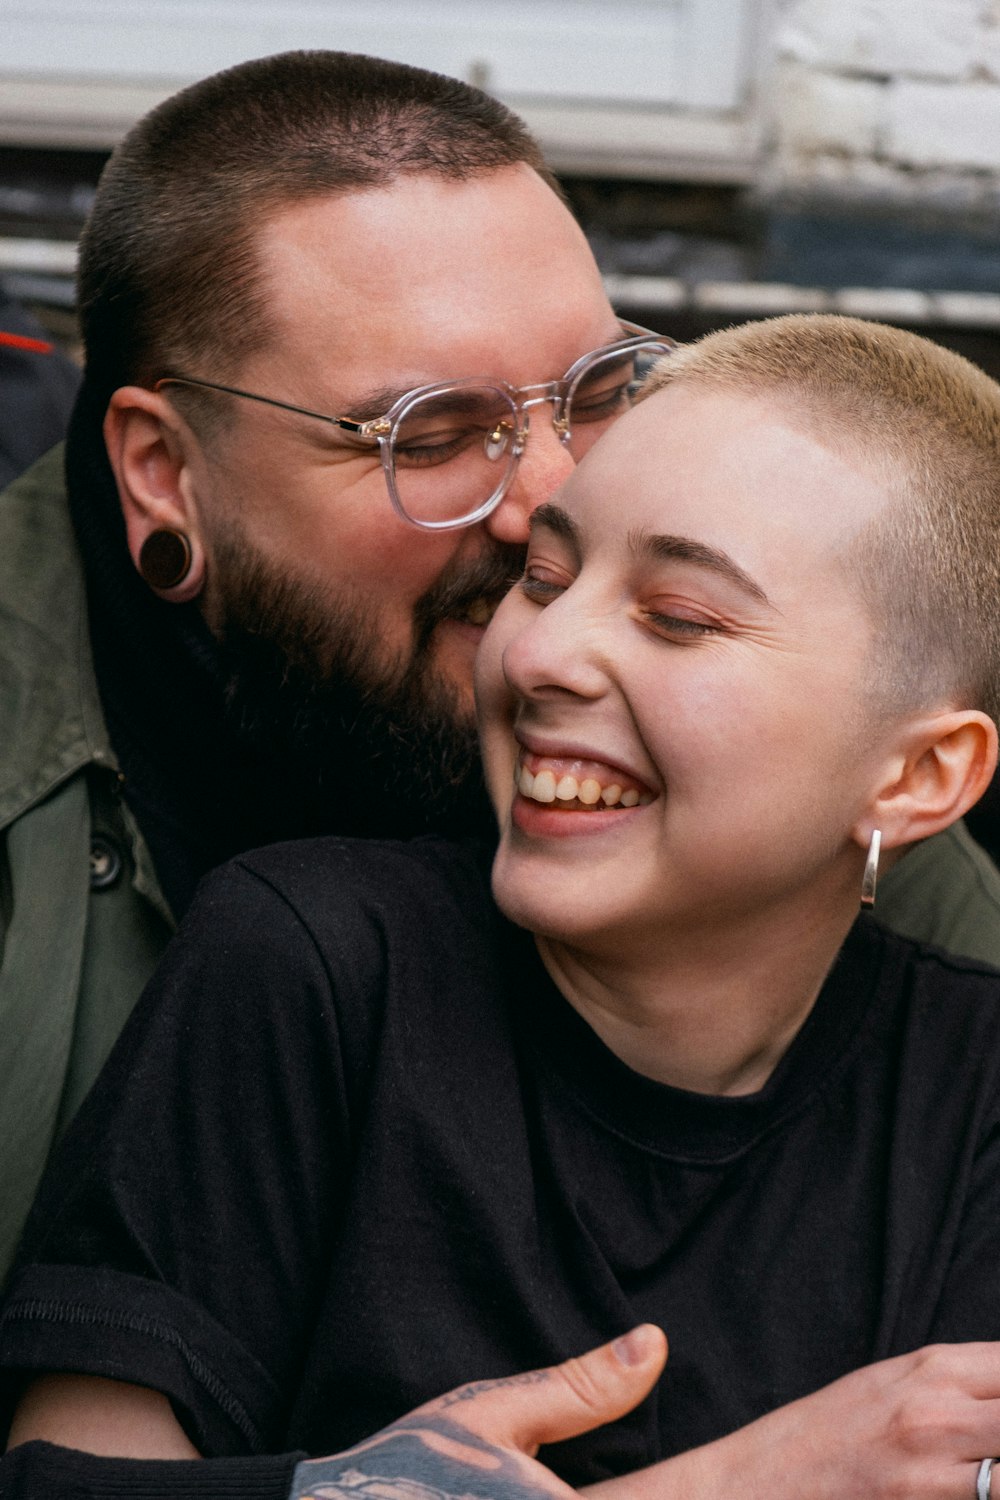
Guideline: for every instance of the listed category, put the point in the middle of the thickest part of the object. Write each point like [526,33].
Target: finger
[548,1405]
[974,1432]
[972,1368]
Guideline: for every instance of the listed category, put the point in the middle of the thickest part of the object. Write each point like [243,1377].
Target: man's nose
[544,464]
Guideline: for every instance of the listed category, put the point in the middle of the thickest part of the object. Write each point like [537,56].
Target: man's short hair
[168,274]
[927,422]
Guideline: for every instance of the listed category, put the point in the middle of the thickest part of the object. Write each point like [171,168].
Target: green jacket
[82,920]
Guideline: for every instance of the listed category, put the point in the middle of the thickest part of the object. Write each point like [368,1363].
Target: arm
[99,1416]
[477,1440]
[916,1426]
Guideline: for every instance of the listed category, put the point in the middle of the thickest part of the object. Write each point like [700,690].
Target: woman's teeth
[586,792]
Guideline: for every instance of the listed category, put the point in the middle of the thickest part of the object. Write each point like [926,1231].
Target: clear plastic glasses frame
[440,442]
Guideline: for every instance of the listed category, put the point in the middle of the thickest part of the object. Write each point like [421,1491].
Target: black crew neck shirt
[354,1148]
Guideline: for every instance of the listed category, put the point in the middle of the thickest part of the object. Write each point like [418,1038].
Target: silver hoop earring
[870,878]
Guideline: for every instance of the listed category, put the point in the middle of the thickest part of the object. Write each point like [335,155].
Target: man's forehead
[431,280]
[420,221]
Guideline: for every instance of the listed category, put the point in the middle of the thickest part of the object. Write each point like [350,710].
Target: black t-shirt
[354,1148]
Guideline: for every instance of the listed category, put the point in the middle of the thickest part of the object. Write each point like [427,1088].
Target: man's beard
[348,741]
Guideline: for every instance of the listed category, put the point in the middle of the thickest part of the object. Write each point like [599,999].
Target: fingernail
[634,1348]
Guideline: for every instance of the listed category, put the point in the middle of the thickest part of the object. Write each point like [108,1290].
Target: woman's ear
[147,445]
[942,767]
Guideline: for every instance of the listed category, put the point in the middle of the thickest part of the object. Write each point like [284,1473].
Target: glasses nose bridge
[539,393]
[527,396]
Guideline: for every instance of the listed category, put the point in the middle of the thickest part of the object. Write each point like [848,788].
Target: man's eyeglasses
[450,450]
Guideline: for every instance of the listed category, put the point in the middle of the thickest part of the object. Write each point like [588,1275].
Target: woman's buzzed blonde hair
[927,422]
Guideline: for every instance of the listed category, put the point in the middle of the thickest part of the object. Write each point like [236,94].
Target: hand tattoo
[424,1457]
[477,1387]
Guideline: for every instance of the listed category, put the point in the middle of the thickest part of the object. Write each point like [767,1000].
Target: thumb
[548,1405]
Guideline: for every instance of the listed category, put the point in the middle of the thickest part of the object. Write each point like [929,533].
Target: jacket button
[105,864]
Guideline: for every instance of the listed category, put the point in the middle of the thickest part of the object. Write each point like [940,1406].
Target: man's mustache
[488,576]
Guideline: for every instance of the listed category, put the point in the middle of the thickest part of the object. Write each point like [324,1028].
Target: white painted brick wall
[922,38]
[943,124]
[899,97]
[823,111]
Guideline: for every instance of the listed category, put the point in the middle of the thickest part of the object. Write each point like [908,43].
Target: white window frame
[637,87]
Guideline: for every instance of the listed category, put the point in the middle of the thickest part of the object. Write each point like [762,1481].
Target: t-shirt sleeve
[39,1471]
[179,1238]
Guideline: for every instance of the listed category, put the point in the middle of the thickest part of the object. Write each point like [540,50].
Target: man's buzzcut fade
[926,422]
[168,275]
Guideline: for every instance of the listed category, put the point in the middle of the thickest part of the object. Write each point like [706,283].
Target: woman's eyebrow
[667,548]
[686,549]
[558,521]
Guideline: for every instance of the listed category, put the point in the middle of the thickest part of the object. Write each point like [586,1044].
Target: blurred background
[727,158]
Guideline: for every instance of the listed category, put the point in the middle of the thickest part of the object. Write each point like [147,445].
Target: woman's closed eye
[542,585]
[681,626]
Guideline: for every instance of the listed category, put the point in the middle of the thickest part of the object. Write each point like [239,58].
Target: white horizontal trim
[671,294]
[72,112]
[51,257]
[653,143]
[767,298]
[606,141]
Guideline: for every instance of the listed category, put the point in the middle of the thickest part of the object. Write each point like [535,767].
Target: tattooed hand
[480,1440]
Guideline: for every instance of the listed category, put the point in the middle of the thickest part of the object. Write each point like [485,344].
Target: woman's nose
[557,653]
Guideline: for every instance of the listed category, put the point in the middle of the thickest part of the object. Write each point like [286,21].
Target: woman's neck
[710,1012]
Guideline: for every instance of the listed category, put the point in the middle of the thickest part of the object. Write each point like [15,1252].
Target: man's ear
[941,768]
[148,446]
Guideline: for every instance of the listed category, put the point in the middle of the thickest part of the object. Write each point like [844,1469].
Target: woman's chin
[551,896]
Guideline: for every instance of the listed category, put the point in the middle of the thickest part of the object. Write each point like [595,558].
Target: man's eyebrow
[376,403]
[372,404]
[685,549]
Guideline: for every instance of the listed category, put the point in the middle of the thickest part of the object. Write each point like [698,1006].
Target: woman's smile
[564,796]
[571,783]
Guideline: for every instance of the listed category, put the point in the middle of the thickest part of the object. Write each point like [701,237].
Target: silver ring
[983,1479]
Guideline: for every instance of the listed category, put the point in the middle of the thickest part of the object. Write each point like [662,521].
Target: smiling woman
[664,1073]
